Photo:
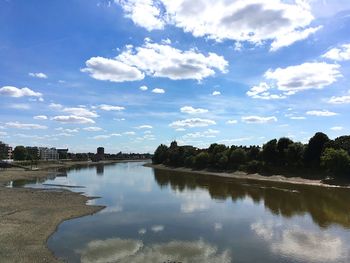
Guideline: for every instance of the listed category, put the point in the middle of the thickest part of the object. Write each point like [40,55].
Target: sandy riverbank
[29,216]
[242,175]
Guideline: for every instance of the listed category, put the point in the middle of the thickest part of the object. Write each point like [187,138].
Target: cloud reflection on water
[129,250]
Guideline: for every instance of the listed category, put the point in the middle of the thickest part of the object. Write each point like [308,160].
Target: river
[162,216]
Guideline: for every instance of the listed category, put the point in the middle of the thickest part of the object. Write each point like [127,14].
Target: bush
[336,161]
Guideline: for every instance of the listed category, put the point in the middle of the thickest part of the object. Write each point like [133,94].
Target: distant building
[100,153]
[48,154]
[5,151]
[62,153]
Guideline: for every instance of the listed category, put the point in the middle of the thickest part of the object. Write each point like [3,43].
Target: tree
[201,160]
[342,142]
[282,146]
[336,161]
[294,154]
[20,153]
[269,152]
[314,149]
[237,158]
[160,155]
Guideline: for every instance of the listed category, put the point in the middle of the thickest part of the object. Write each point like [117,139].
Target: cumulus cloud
[106,136]
[216,93]
[25,126]
[158,91]
[232,122]
[143,88]
[144,13]
[112,70]
[293,79]
[262,92]
[337,128]
[146,126]
[321,113]
[339,53]
[106,107]
[55,106]
[80,111]
[191,123]
[258,119]
[129,133]
[340,99]
[129,250]
[210,133]
[156,60]
[40,117]
[316,75]
[18,92]
[256,22]
[157,228]
[73,119]
[67,130]
[39,75]
[191,110]
[92,129]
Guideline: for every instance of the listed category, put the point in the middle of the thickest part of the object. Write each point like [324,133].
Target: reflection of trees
[325,205]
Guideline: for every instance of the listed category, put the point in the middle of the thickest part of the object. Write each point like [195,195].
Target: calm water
[161,216]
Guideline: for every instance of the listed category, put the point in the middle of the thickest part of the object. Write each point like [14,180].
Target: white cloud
[321,113]
[191,123]
[156,60]
[81,112]
[340,100]
[106,107]
[92,129]
[143,88]
[337,128]
[300,244]
[105,136]
[67,130]
[305,76]
[262,92]
[232,122]
[258,119]
[39,75]
[2,134]
[73,119]
[20,106]
[110,69]
[18,92]
[339,54]
[157,228]
[55,106]
[297,118]
[130,250]
[144,13]
[216,93]
[210,133]
[40,117]
[144,127]
[158,91]
[256,22]
[191,110]
[129,133]
[25,126]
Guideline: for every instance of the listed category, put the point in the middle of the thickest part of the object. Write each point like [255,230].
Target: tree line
[321,156]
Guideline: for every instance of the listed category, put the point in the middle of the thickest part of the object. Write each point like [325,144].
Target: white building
[48,154]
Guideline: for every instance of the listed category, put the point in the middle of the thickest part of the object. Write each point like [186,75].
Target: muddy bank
[245,176]
[29,216]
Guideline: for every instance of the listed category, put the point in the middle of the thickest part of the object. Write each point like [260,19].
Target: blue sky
[129,75]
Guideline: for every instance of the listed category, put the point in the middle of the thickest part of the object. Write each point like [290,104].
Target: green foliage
[20,153]
[314,149]
[336,161]
[281,155]
[160,155]
[201,160]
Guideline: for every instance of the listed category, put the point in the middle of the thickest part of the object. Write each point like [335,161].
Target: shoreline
[30,216]
[239,175]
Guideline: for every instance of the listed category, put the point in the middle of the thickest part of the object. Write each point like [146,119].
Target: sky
[130,75]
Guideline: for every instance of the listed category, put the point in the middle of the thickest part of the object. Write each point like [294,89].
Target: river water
[161,216]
